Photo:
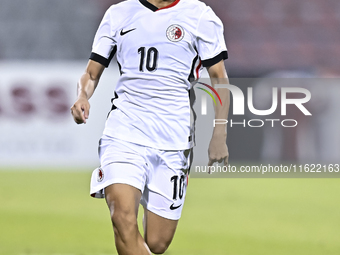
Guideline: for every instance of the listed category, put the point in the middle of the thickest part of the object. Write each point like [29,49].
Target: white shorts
[161,176]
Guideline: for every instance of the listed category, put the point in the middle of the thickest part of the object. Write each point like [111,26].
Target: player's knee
[121,219]
[124,224]
[158,247]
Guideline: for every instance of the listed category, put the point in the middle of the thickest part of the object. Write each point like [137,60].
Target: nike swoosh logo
[172,207]
[124,33]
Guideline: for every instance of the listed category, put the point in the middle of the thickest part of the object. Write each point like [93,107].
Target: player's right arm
[86,87]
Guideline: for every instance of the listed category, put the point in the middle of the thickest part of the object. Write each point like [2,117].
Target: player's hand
[218,150]
[80,110]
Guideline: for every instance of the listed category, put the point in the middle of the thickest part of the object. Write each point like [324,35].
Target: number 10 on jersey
[151,56]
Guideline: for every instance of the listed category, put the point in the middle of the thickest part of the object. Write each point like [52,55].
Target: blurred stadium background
[46,160]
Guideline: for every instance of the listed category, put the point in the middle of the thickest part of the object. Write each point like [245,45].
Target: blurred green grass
[50,213]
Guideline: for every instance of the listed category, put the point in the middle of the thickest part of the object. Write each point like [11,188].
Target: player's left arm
[218,149]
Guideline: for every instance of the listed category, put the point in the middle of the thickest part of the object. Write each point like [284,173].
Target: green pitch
[51,213]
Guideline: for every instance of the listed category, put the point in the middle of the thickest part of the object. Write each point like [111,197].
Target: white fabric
[153,107]
[152,171]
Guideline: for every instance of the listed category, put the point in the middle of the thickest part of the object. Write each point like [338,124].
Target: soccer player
[145,150]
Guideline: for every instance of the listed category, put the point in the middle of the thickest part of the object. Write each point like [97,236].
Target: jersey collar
[154,8]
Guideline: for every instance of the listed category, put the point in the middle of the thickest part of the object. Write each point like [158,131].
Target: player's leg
[122,176]
[123,202]
[158,231]
[163,196]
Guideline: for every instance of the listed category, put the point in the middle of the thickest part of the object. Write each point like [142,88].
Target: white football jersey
[159,51]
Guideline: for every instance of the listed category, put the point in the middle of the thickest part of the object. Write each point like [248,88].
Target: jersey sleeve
[210,39]
[104,46]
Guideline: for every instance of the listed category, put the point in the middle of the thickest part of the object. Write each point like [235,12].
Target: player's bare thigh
[123,196]
[158,231]
[123,201]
